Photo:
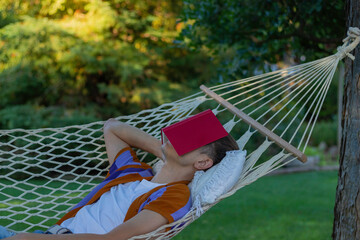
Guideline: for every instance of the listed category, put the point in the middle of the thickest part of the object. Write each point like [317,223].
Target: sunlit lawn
[289,207]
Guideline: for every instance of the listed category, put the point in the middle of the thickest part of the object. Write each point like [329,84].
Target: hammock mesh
[45,172]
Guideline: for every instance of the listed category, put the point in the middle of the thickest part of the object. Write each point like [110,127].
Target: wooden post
[347,204]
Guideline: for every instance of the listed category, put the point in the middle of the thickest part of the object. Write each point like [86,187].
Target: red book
[194,132]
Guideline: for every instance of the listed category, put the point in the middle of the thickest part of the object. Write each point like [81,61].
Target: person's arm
[144,222]
[119,135]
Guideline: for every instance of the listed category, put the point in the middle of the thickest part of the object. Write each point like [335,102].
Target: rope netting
[45,172]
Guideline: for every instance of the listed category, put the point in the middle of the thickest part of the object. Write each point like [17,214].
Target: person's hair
[217,150]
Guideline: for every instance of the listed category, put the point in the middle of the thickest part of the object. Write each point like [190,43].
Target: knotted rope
[350,42]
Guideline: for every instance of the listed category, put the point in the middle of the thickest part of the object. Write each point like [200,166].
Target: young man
[131,201]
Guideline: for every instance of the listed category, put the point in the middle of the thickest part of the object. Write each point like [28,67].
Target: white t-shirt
[110,210]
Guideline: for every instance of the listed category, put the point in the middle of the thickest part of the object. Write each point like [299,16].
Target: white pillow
[207,186]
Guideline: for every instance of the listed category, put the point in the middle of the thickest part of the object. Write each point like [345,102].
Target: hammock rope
[45,172]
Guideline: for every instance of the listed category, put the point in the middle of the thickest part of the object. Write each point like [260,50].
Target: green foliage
[116,57]
[246,38]
[316,152]
[62,64]
[325,132]
[33,116]
[243,35]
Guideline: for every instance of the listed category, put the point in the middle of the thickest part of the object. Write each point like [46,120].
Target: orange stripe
[143,166]
[178,195]
[135,206]
[133,154]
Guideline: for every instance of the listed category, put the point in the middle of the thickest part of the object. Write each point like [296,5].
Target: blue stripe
[122,160]
[182,211]
[153,197]
[130,170]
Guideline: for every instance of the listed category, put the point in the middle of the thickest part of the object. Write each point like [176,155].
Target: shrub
[324,132]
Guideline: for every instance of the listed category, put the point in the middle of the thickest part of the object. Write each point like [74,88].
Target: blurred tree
[251,37]
[106,58]
[347,203]
[113,57]
[243,35]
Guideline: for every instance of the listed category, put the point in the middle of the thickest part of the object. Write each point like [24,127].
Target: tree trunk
[347,205]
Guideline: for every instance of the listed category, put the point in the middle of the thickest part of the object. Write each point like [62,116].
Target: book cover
[194,132]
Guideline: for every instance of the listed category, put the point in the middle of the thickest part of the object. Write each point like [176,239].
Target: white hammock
[45,172]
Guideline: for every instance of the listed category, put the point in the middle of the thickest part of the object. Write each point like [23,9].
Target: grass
[47,204]
[297,207]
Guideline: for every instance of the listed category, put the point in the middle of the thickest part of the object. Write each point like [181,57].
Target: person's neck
[173,173]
